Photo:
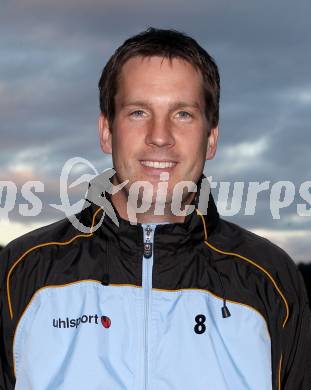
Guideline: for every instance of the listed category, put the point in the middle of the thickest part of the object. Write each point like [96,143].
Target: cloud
[15,229]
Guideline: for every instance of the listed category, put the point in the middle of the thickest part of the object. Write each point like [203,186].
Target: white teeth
[158,164]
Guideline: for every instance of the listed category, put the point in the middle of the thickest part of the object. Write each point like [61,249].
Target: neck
[132,214]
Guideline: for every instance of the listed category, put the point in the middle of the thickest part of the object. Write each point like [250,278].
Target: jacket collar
[128,234]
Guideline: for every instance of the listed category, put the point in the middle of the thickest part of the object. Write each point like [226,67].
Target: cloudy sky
[52,53]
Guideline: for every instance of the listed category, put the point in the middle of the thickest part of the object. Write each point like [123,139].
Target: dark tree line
[305,269]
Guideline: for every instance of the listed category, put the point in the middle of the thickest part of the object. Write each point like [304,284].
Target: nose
[160,134]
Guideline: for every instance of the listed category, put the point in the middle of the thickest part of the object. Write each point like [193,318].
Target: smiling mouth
[158,164]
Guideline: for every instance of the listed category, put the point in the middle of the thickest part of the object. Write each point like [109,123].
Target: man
[166,300]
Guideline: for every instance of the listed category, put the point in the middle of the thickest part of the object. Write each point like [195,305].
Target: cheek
[121,145]
[194,145]
[126,136]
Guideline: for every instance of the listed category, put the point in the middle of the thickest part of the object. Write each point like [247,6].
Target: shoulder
[32,242]
[234,238]
[260,255]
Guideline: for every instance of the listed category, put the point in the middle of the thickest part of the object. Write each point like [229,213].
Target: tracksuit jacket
[202,304]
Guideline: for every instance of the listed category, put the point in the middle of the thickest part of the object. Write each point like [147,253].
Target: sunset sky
[52,54]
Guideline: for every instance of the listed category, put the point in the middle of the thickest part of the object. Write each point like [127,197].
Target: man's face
[159,125]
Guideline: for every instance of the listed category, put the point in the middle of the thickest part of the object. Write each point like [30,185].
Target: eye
[137,114]
[184,115]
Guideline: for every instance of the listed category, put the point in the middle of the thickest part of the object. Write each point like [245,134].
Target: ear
[212,143]
[104,134]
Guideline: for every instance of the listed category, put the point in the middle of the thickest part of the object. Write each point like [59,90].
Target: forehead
[159,75]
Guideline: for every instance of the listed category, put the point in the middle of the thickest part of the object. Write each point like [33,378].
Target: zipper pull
[148,243]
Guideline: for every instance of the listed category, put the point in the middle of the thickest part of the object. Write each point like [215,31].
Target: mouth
[158,164]
[153,167]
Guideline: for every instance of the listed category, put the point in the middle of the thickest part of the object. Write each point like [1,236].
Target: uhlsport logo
[82,320]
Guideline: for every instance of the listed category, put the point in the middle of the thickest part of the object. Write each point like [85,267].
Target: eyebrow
[173,106]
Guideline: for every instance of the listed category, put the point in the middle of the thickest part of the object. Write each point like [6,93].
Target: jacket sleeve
[295,367]
[2,386]
[5,382]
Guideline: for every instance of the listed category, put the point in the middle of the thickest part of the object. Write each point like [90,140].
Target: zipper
[147,286]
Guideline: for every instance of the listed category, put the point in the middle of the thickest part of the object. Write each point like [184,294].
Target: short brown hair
[167,44]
